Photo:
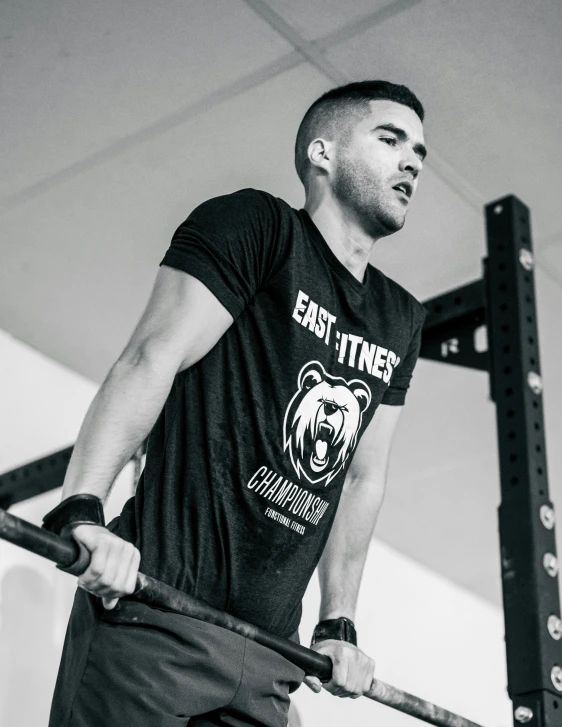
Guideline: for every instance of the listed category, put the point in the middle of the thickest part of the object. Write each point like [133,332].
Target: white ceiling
[119,117]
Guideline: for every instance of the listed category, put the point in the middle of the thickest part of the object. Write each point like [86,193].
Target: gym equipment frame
[502,302]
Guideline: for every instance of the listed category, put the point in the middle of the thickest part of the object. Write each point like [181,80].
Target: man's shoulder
[249,196]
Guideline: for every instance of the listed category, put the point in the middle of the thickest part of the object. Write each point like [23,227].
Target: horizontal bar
[468,301]
[155,593]
[34,478]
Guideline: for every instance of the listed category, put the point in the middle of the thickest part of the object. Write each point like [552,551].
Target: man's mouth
[404,189]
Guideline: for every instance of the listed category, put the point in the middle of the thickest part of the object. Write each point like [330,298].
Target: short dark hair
[332,112]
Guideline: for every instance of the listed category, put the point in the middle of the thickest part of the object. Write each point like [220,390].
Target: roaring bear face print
[322,422]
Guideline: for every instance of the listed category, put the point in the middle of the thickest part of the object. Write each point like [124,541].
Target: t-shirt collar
[331,258]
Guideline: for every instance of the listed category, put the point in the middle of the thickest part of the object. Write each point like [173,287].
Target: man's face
[383,151]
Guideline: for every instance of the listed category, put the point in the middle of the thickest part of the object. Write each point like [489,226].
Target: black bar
[450,326]
[43,475]
[153,592]
[34,478]
[526,515]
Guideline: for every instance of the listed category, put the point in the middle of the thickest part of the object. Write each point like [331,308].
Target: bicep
[182,321]
[370,460]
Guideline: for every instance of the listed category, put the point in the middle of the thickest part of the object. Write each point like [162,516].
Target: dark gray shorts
[142,666]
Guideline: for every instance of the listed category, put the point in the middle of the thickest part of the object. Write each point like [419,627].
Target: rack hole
[458,299]
[507,349]
[501,266]
[513,458]
[531,339]
[507,370]
[538,448]
[539,470]
[510,413]
[502,288]
[514,480]
[509,392]
[537,426]
[511,435]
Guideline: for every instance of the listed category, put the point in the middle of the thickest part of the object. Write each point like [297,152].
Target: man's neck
[347,240]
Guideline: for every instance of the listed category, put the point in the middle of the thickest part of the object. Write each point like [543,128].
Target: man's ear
[320,153]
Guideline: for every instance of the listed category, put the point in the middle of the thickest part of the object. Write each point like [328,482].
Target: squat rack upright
[502,301]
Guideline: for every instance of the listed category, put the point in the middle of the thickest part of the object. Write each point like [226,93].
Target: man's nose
[411,162]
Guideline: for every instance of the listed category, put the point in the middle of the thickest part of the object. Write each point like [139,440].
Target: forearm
[341,566]
[117,422]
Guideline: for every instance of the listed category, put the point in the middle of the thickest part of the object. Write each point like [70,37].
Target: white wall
[428,636]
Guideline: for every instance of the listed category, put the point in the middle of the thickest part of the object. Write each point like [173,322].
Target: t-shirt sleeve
[232,244]
[395,395]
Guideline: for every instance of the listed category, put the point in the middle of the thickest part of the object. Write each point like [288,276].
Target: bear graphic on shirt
[322,422]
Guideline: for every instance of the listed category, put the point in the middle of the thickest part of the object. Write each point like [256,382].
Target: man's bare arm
[342,562]
[182,322]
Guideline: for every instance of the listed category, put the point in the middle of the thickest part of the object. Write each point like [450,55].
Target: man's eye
[389,140]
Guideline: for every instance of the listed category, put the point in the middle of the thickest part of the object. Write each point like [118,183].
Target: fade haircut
[331,115]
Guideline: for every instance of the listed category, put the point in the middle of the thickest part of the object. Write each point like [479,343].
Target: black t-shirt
[247,460]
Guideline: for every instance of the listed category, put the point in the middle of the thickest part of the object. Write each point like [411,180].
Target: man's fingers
[338,682]
[130,582]
[96,567]
[352,670]
[114,564]
[314,683]
[109,603]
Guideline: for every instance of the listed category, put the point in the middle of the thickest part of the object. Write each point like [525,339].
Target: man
[266,348]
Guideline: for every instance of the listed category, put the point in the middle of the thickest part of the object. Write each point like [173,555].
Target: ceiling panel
[77,76]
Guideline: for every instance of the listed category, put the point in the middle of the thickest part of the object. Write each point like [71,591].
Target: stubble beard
[357,189]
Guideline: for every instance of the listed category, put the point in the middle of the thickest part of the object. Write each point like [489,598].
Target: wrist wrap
[341,629]
[84,509]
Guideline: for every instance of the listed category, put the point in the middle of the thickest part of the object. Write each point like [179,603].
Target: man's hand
[114,564]
[352,671]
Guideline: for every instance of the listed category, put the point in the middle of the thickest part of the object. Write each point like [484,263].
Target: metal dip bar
[66,553]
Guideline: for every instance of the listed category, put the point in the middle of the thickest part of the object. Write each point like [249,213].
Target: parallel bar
[153,592]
